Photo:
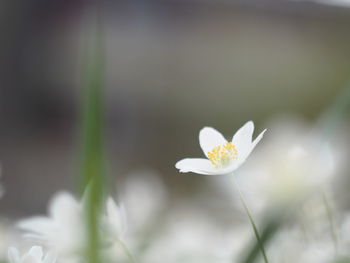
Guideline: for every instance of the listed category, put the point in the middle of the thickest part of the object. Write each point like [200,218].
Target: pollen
[221,156]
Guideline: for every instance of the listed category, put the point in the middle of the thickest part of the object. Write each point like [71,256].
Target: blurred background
[172,67]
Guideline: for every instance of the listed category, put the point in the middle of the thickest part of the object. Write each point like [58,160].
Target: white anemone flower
[65,229]
[34,255]
[296,161]
[114,222]
[223,157]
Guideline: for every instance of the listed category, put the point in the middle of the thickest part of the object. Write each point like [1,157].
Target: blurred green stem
[333,115]
[92,136]
[331,222]
[251,220]
[127,251]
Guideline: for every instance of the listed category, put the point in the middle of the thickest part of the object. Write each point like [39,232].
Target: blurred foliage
[268,231]
[92,155]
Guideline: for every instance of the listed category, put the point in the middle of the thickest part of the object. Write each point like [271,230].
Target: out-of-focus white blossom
[34,255]
[294,161]
[223,157]
[114,222]
[145,197]
[189,236]
[9,237]
[344,233]
[340,3]
[65,229]
[294,245]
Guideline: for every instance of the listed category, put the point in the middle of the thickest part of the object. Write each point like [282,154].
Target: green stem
[127,251]
[251,220]
[92,155]
[331,222]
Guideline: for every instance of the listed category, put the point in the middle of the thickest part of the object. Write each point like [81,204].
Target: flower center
[221,156]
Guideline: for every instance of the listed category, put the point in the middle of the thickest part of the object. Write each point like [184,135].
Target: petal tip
[263,132]
[250,124]
[180,167]
[206,129]
[177,165]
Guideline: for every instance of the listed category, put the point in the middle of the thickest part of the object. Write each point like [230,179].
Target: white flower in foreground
[151,193]
[65,229]
[114,222]
[8,237]
[223,157]
[191,237]
[34,255]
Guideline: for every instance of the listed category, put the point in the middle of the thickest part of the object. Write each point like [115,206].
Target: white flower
[151,193]
[223,157]
[65,229]
[294,163]
[293,244]
[34,255]
[114,222]
[191,237]
[8,237]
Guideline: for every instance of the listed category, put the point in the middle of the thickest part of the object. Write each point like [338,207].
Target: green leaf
[92,167]
[271,227]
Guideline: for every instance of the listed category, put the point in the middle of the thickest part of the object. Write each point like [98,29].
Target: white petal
[210,138]
[50,257]
[38,224]
[196,165]
[117,217]
[36,252]
[36,237]
[242,139]
[13,255]
[243,155]
[257,139]
[62,205]
[27,258]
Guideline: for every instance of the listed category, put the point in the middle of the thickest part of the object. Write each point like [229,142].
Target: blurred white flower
[114,222]
[291,245]
[192,237]
[65,229]
[340,3]
[9,237]
[223,157]
[344,230]
[34,255]
[294,161]
[145,197]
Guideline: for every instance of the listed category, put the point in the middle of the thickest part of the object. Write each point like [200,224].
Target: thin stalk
[334,114]
[92,155]
[331,222]
[127,252]
[251,220]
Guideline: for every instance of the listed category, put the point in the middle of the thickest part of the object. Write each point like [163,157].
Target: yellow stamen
[221,156]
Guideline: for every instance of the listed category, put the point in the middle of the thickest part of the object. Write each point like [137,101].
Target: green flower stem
[92,134]
[331,118]
[331,222]
[127,251]
[251,220]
